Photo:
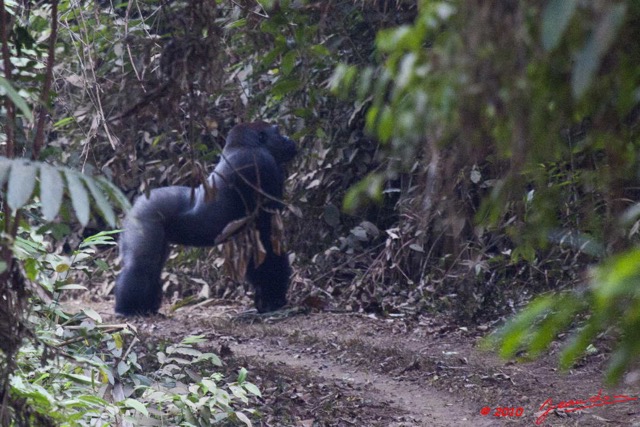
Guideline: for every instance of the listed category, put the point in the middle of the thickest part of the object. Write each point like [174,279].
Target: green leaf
[242,417]
[213,358]
[22,181]
[236,24]
[122,368]
[193,339]
[289,62]
[113,192]
[103,204]
[335,81]
[94,400]
[72,287]
[252,388]
[242,375]
[31,268]
[616,278]
[579,342]
[320,50]
[15,97]
[514,334]
[370,188]
[62,267]
[63,122]
[102,264]
[79,196]
[100,238]
[396,39]
[385,126]
[81,379]
[555,19]
[187,351]
[588,60]
[51,191]
[618,363]
[92,314]
[565,309]
[138,406]
[285,86]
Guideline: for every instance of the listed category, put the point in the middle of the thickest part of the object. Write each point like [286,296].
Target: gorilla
[248,180]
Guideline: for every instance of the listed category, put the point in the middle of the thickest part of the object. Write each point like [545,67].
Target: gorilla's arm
[144,249]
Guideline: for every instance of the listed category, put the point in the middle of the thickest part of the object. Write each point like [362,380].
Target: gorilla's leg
[271,279]
[143,250]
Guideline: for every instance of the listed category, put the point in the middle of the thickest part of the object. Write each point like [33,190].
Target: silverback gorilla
[249,177]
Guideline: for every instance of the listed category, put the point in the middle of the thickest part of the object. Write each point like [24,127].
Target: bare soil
[349,369]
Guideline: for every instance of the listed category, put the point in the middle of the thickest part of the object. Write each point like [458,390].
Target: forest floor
[348,369]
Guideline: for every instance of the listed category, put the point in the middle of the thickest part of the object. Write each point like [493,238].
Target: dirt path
[345,369]
[417,403]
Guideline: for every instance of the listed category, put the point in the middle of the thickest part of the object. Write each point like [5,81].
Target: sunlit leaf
[22,181]
[242,375]
[252,388]
[512,335]
[588,59]
[193,339]
[565,310]
[619,360]
[579,343]
[138,406]
[82,379]
[236,24]
[51,191]
[320,50]
[92,314]
[211,357]
[63,122]
[61,268]
[15,97]
[103,204]
[393,39]
[370,188]
[555,19]
[114,192]
[617,277]
[72,287]
[242,417]
[100,238]
[79,196]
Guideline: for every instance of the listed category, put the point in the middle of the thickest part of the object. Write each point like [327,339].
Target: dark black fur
[252,159]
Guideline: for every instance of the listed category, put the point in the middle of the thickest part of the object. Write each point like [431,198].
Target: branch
[6,58]
[38,141]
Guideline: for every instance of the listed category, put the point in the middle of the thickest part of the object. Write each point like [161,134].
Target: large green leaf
[22,180]
[588,60]
[113,192]
[51,191]
[103,204]
[555,19]
[15,97]
[79,196]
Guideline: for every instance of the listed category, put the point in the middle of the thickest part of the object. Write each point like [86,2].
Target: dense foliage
[524,120]
[457,156]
